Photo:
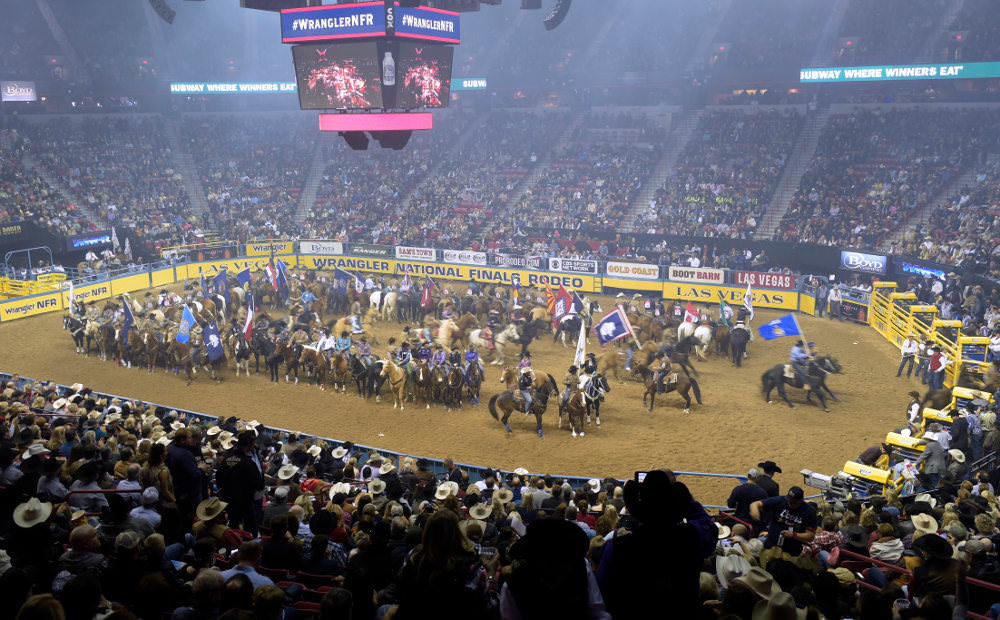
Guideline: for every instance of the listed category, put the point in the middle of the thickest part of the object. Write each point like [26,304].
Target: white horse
[500,339]
[388,308]
[702,335]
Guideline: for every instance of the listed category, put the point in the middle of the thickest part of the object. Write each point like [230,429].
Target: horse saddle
[668,380]
[790,371]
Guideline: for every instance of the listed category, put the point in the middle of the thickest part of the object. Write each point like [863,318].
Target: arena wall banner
[709,294]
[464,257]
[31,306]
[366,249]
[193,271]
[628,284]
[162,277]
[572,265]
[865,263]
[641,271]
[409,253]
[321,247]
[91,292]
[518,261]
[705,275]
[129,284]
[274,247]
[765,279]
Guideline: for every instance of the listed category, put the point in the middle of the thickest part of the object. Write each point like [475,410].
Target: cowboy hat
[314,451]
[957,455]
[520,471]
[724,531]
[923,524]
[594,485]
[34,449]
[338,453]
[165,441]
[781,606]
[480,511]
[340,488]
[210,508]
[504,496]
[386,468]
[213,430]
[729,567]
[926,497]
[376,486]
[76,387]
[769,467]
[442,492]
[32,512]
[287,472]
[112,417]
[176,425]
[228,443]
[934,546]
[856,536]
[59,404]
[760,582]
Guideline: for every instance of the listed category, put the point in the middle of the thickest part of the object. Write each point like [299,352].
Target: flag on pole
[213,343]
[406,284]
[187,322]
[222,286]
[577,303]
[341,279]
[748,301]
[563,307]
[129,320]
[690,313]
[71,297]
[425,299]
[114,238]
[244,277]
[613,326]
[359,284]
[515,287]
[282,279]
[204,285]
[248,324]
[581,344]
[550,298]
[271,274]
[724,311]
[784,326]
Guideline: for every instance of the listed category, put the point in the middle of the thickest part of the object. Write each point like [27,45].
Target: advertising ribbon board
[464,257]
[572,265]
[365,249]
[518,261]
[640,271]
[321,247]
[31,306]
[733,295]
[765,280]
[273,247]
[706,275]
[409,253]
[865,263]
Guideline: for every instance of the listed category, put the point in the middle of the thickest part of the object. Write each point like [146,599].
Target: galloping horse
[682,386]
[500,340]
[816,372]
[397,382]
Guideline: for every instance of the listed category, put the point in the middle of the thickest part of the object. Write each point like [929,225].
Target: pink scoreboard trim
[376,122]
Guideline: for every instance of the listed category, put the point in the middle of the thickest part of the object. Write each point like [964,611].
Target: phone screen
[640,476]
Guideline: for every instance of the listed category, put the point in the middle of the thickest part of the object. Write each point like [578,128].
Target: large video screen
[338,76]
[423,75]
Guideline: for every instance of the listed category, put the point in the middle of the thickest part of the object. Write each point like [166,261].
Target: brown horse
[682,386]
[340,368]
[453,388]
[721,339]
[574,409]
[315,364]
[507,403]
[424,382]
[289,352]
[179,355]
[397,382]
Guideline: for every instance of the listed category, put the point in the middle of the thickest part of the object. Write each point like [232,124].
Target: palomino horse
[702,335]
[315,364]
[507,403]
[340,371]
[816,372]
[682,386]
[397,382]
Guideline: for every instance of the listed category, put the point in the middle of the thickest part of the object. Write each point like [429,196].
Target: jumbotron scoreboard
[371,65]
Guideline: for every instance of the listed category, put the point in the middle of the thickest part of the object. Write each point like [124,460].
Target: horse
[151,340]
[568,327]
[543,380]
[93,335]
[260,344]
[721,337]
[179,356]
[474,379]
[682,386]
[594,390]
[340,369]
[500,340]
[446,333]
[702,337]
[738,339]
[358,372]
[987,381]
[507,403]
[384,304]
[937,399]
[816,371]
[581,400]
[463,325]
[199,355]
[106,340]
[76,329]
[316,365]
[397,376]
[289,353]
[650,328]
[423,383]
[241,352]
[528,332]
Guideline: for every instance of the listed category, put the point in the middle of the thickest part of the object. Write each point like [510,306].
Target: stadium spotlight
[357,140]
[558,14]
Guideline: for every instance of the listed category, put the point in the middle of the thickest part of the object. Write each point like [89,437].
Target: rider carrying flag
[799,358]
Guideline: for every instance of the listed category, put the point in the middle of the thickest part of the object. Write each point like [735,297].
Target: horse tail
[697,390]
[685,369]
[493,406]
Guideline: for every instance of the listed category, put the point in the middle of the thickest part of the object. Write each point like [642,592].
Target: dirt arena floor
[733,430]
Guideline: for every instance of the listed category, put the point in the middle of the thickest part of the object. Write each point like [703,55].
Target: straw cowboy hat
[32,512]
[76,387]
[287,472]
[504,496]
[386,468]
[781,606]
[210,508]
[442,492]
[376,486]
[314,451]
[480,511]
[924,524]
[729,567]
[34,449]
[957,455]
[338,453]
[760,582]
[340,487]
[213,430]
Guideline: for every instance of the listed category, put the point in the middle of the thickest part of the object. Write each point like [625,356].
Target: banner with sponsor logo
[349,263]
[865,263]
[18,91]
[30,306]
[764,279]
[707,275]
[365,249]
[272,247]
[428,24]
[129,284]
[516,260]
[409,253]
[88,293]
[321,247]
[194,271]
[336,21]
[162,277]
[641,271]
[709,294]
[464,257]
[572,265]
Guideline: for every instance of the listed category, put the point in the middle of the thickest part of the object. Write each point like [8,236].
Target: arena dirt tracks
[732,431]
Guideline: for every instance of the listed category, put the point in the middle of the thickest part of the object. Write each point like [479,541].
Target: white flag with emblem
[581,344]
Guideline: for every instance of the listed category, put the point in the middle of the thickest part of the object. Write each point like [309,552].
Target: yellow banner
[30,306]
[807,304]
[88,293]
[273,247]
[51,278]
[129,284]
[162,277]
[709,294]
[633,285]
[233,265]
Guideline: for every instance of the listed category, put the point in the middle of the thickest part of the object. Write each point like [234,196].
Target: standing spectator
[908,350]
[821,295]
[936,367]
[766,480]
[923,360]
[745,494]
[835,299]
[156,474]
[933,460]
[240,477]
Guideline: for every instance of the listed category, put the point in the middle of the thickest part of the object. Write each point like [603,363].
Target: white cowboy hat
[76,387]
[520,471]
[594,485]
[731,566]
[724,531]
[376,486]
[926,497]
[213,431]
[957,455]
[59,404]
[176,425]
[338,453]
[504,496]
[442,492]
[923,524]
[112,417]
[386,468]
[34,449]
[480,511]
[165,441]
[32,512]
[287,472]
[340,487]
[228,443]
[314,450]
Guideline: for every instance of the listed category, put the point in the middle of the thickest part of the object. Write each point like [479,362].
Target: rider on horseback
[799,358]
[404,359]
[424,352]
[589,366]
[525,361]
[571,381]
[439,357]
[454,360]
[524,383]
[343,345]
[472,357]
[326,344]
[365,352]
[663,368]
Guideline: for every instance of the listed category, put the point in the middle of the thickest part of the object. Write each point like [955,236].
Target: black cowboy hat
[770,467]
[573,369]
[934,546]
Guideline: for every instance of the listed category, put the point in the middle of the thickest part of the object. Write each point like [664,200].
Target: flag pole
[802,334]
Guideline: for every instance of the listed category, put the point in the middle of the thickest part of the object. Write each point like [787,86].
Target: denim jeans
[902,363]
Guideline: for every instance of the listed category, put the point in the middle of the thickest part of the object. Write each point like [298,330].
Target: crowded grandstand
[256,369]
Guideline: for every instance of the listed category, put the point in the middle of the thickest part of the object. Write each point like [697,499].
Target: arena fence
[706,286]
[896,315]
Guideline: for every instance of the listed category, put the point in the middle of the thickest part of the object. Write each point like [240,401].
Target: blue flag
[577,304]
[282,279]
[213,344]
[204,285]
[187,322]
[784,326]
[613,326]
[222,286]
[244,277]
[129,320]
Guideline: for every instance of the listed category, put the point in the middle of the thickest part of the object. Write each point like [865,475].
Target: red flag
[248,325]
[425,301]
[550,298]
[563,306]
[690,313]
